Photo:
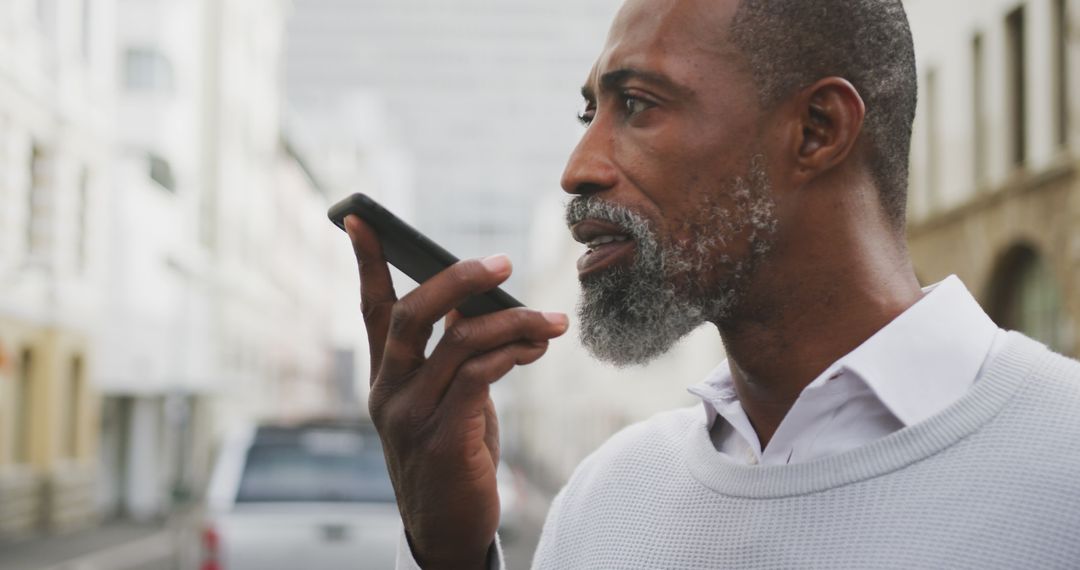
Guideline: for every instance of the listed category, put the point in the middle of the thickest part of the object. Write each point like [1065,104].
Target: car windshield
[315,466]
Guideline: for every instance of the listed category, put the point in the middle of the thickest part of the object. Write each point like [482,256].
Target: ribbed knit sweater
[991,482]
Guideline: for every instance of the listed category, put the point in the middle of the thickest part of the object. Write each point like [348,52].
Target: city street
[119,546]
[173,545]
[188,357]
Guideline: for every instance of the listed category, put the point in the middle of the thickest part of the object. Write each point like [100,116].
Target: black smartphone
[413,253]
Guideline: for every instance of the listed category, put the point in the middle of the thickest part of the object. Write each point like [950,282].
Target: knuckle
[370,308]
[396,422]
[377,408]
[483,371]
[414,418]
[523,322]
[401,317]
[530,353]
[516,353]
[529,319]
[459,335]
[434,446]
[472,371]
[466,274]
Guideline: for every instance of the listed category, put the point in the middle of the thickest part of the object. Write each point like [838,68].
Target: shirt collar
[929,356]
[917,365]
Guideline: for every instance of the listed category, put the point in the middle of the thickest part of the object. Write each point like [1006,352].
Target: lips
[609,245]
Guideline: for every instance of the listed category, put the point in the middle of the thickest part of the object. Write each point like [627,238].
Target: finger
[469,389]
[377,296]
[452,317]
[467,338]
[414,315]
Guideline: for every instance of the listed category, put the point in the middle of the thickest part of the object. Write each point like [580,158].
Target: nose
[591,167]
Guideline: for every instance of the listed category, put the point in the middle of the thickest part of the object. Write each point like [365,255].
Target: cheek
[698,180]
[725,220]
[667,171]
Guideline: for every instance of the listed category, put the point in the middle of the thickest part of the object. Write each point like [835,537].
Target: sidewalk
[112,546]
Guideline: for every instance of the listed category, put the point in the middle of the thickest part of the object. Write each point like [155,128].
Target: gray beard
[632,315]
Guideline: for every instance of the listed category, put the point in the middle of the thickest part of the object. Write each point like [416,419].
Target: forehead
[681,38]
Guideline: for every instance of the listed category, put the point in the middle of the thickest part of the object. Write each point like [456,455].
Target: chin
[629,336]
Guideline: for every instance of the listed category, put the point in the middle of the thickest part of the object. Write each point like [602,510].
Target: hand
[434,414]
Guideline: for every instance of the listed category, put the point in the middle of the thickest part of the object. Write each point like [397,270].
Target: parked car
[314,496]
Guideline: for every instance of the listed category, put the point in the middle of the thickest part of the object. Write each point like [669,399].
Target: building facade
[220,252]
[56,139]
[165,258]
[995,191]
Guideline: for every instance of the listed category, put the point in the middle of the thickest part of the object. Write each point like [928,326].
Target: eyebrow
[613,80]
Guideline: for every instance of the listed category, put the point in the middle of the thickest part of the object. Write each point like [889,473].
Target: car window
[315,466]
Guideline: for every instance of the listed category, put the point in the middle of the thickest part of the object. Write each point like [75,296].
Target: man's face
[670,178]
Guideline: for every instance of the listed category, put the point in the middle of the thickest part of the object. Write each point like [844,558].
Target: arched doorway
[1025,296]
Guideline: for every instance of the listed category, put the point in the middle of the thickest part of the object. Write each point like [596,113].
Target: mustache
[583,208]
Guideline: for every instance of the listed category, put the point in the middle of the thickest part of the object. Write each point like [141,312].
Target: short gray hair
[791,44]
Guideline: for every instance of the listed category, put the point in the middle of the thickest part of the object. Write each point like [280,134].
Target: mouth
[608,246]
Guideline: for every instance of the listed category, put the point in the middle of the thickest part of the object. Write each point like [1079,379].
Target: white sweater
[991,482]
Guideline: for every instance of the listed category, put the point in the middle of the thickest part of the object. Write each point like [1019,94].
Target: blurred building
[56,143]
[220,250]
[156,368]
[166,267]
[350,145]
[995,188]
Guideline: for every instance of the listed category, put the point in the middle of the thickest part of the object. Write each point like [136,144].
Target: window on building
[978,107]
[208,235]
[933,144]
[161,172]
[5,178]
[46,17]
[146,69]
[23,409]
[87,28]
[72,415]
[1026,297]
[37,230]
[81,222]
[1017,84]
[1061,75]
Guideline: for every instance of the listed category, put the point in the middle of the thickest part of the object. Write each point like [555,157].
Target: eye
[585,117]
[635,105]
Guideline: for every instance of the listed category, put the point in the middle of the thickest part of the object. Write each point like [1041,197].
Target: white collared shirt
[913,368]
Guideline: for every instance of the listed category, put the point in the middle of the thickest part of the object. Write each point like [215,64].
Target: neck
[813,300]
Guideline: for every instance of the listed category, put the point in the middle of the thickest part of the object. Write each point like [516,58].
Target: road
[112,546]
[173,545]
[135,548]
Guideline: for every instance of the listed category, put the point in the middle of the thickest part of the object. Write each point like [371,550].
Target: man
[745,164]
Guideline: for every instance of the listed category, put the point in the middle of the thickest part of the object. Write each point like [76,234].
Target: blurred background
[180,337]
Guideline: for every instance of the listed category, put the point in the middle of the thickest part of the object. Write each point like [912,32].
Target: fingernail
[497,263]
[557,319]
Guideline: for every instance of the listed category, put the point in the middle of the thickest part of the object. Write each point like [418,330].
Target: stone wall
[1037,210]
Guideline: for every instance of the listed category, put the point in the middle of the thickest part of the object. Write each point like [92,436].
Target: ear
[830,117]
